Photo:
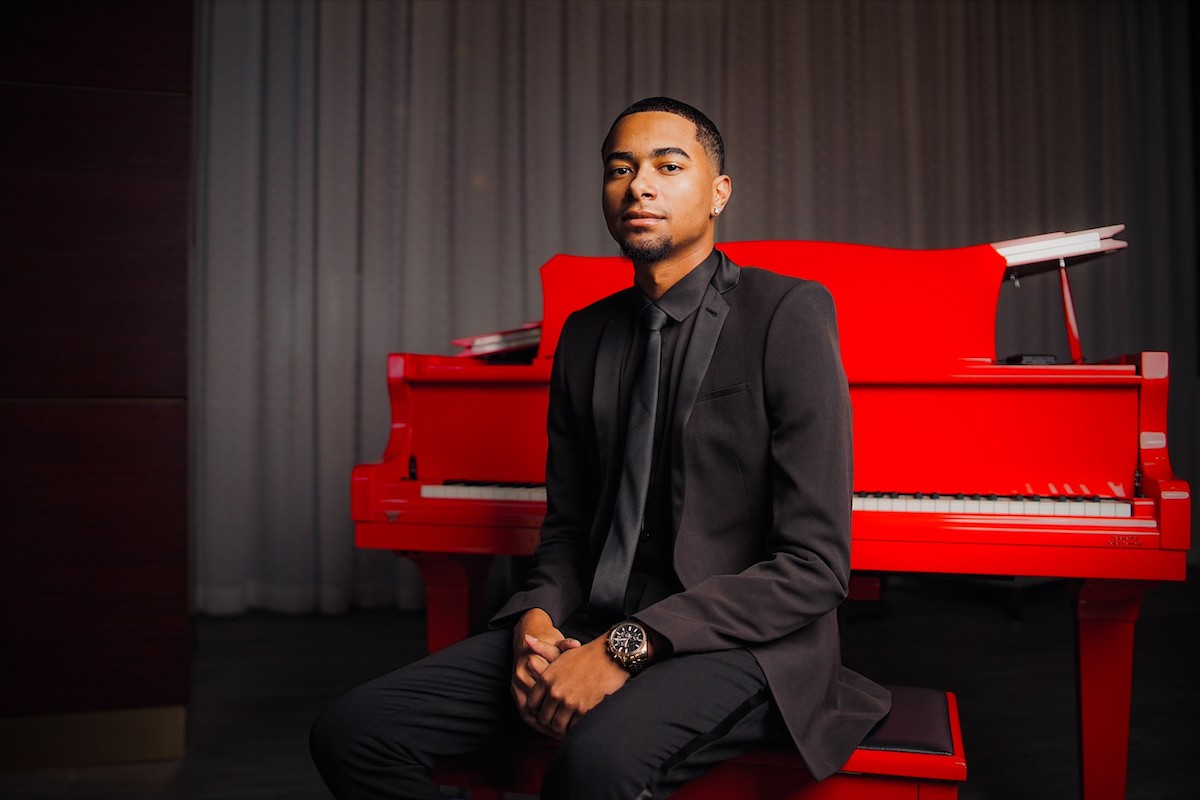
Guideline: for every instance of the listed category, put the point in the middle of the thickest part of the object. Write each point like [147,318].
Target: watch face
[627,638]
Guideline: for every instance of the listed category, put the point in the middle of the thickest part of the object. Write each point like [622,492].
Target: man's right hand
[529,663]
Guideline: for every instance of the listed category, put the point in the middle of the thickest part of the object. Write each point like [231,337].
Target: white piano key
[1077,507]
[1115,508]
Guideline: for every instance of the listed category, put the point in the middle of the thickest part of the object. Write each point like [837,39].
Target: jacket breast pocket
[722,392]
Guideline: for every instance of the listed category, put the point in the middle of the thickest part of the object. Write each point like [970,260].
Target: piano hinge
[412,468]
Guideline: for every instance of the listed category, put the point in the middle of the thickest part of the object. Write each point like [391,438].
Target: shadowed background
[376,177]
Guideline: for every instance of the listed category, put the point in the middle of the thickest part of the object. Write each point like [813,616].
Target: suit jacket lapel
[711,318]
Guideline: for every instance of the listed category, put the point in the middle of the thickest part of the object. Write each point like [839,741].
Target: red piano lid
[920,307]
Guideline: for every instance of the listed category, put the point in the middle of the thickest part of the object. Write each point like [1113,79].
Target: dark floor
[260,679]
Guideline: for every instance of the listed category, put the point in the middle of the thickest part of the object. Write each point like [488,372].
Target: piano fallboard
[991,429]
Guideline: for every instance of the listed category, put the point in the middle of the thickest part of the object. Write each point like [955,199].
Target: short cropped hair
[706,132]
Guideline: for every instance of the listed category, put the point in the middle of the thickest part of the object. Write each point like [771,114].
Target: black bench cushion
[919,722]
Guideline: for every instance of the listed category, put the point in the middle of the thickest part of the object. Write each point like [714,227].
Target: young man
[682,603]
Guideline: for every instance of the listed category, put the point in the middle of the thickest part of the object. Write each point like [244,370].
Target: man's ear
[722,189]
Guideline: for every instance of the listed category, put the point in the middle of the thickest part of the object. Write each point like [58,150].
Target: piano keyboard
[1011,505]
[482,490]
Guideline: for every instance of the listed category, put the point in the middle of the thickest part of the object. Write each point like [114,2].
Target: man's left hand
[574,682]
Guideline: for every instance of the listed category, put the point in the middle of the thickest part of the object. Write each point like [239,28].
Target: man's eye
[670,168]
[618,171]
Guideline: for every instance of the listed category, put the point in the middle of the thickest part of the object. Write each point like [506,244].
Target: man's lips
[641,219]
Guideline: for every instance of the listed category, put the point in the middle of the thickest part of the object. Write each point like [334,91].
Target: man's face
[660,187]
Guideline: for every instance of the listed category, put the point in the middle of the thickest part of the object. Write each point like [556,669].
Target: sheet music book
[1053,246]
[521,338]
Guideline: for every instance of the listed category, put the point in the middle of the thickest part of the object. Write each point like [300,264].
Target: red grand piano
[963,464]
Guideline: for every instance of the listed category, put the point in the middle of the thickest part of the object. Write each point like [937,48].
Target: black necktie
[616,559]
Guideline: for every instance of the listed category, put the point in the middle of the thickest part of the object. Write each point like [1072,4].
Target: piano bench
[915,753]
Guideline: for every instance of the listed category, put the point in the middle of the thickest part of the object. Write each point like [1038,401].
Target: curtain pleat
[376,177]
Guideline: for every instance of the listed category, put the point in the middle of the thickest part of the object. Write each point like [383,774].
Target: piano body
[963,464]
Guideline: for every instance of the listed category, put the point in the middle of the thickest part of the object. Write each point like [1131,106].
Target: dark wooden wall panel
[93,234]
[95,153]
[118,44]
[93,563]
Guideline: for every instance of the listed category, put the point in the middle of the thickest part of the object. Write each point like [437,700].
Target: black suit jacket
[761,493]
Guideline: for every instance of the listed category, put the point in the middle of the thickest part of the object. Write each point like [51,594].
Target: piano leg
[453,591]
[1106,612]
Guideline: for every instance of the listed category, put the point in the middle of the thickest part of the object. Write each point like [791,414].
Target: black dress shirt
[653,576]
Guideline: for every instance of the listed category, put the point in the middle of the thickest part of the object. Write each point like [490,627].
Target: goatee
[646,252]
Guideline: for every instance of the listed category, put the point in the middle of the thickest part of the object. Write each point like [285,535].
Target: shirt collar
[682,299]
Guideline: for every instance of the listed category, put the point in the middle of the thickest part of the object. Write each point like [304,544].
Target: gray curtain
[385,176]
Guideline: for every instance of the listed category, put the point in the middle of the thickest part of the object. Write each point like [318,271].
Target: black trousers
[671,723]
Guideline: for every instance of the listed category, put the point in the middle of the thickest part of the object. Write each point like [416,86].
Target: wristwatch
[627,644]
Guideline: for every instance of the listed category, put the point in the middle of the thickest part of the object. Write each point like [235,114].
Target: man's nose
[642,184]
